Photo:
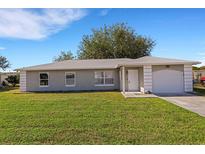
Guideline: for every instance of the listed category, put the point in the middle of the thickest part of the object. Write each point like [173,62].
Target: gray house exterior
[146,74]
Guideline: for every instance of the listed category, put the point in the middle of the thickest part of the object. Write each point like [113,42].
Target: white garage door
[168,81]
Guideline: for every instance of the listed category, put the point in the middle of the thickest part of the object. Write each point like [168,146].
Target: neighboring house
[198,74]
[4,75]
[146,74]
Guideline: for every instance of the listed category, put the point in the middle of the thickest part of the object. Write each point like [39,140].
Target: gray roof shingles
[105,63]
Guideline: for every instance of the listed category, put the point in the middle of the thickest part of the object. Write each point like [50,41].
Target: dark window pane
[43,82]
[70,76]
[43,76]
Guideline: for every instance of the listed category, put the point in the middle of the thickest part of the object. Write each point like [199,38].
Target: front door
[133,82]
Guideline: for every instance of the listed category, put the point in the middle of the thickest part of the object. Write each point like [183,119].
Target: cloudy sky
[35,36]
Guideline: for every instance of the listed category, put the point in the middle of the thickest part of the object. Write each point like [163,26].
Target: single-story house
[145,74]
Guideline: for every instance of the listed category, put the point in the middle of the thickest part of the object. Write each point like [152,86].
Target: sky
[34,36]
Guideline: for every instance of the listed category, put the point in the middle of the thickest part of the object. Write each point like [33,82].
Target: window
[70,79]
[44,79]
[104,78]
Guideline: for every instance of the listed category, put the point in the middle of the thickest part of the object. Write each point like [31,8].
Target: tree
[13,79]
[195,68]
[64,56]
[4,63]
[116,41]
[202,68]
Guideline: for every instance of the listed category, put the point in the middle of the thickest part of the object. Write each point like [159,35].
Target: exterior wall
[84,81]
[147,71]
[29,81]
[188,81]
[23,81]
[3,77]
[171,67]
[120,78]
[141,78]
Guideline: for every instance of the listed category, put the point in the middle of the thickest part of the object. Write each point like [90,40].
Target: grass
[199,89]
[95,118]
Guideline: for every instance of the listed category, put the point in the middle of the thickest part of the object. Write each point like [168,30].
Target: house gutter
[169,63]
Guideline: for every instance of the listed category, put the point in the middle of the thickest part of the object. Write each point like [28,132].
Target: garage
[168,81]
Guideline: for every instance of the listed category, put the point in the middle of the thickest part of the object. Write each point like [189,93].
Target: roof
[105,63]
[150,60]
[80,64]
[8,73]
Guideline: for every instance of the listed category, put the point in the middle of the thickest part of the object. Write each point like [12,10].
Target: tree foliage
[64,56]
[13,79]
[116,41]
[195,68]
[4,63]
[202,68]
[4,84]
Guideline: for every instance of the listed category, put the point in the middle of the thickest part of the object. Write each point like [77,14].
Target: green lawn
[95,118]
[199,89]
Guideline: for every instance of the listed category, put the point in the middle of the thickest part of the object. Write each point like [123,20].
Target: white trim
[147,77]
[123,79]
[22,81]
[73,85]
[42,86]
[70,85]
[101,85]
[188,78]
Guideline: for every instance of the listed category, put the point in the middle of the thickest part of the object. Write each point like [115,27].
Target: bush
[13,79]
[4,84]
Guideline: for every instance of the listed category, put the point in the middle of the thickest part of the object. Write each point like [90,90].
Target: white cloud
[104,12]
[36,24]
[2,48]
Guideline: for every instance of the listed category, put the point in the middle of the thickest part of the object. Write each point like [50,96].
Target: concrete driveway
[188,101]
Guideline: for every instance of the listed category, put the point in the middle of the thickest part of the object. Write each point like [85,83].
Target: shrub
[13,79]
[4,84]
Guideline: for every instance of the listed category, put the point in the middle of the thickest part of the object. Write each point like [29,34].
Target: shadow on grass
[4,89]
[177,94]
[15,90]
[81,91]
[199,91]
